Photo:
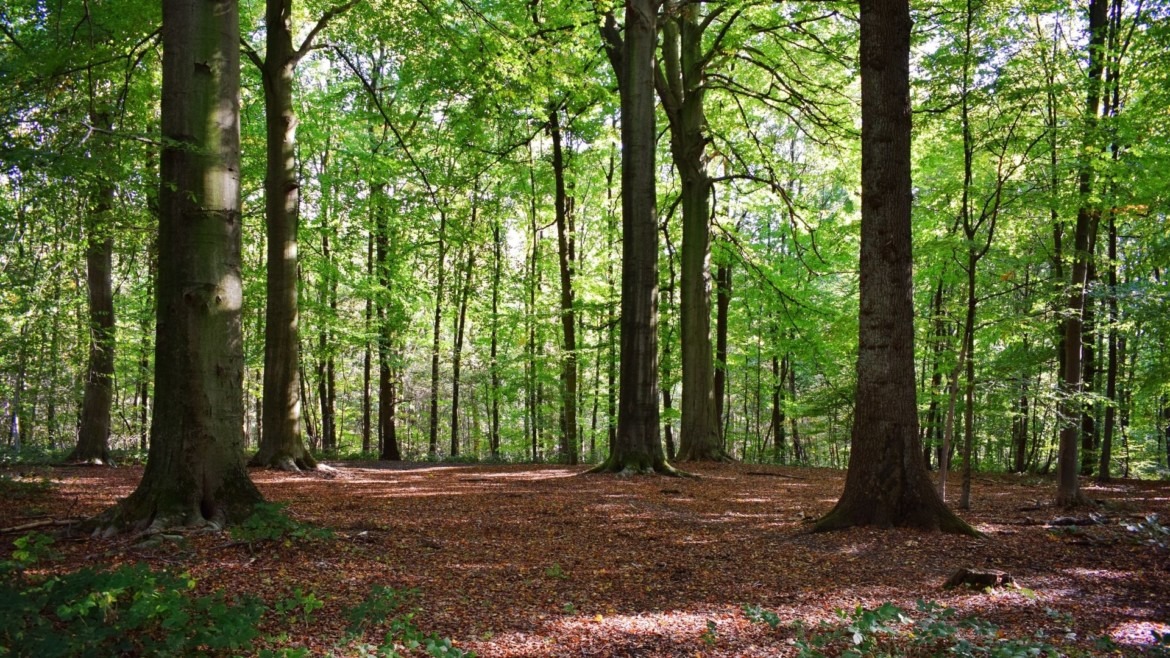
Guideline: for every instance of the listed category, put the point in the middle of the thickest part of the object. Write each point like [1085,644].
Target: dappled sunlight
[523,560]
[1138,633]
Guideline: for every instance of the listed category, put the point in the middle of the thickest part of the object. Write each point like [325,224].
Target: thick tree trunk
[637,448]
[682,90]
[388,449]
[194,471]
[282,445]
[93,436]
[887,484]
[568,315]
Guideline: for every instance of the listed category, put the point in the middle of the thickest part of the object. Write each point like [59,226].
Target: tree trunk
[282,445]
[367,352]
[433,444]
[194,471]
[798,456]
[682,90]
[637,447]
[388,449]
[565,248]
[93,437]
[1068,492]
[457,355]
[497,264]
[722,306]
[1103,469]
[887,484]
[326,372]
[779,377]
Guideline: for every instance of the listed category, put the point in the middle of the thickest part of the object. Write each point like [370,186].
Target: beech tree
[281,444]
[637,446]
[195,468]
[887,483]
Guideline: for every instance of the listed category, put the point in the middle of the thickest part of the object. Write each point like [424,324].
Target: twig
[39,524]
[775,475]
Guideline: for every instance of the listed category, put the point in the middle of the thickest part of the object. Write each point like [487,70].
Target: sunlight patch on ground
[1102,574]
[1137,632]
[542,474]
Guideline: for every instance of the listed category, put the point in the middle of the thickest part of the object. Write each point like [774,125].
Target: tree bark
[1068,493]
[682,90]
[887,484]
[457,355]
[194,471]
[568,314]
[433,444]
[722,306]
[388,449]
[637,447]
[497,264]
[93,436]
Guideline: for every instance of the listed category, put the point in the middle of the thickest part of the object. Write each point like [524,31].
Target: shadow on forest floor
[521,560]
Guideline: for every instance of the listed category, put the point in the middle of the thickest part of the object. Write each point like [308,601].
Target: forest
[911,256]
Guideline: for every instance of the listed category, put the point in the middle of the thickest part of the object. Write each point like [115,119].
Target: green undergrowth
[930,630]
[270,522]
[134,610]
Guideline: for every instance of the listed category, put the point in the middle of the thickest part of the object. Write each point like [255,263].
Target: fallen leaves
[539,561]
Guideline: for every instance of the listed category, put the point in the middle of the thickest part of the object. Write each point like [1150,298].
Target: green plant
[888,630]
[386,605]
[270,522]
[710,635]
[555,571]
[130,610]
[33,548]
[23,488]
[306,603]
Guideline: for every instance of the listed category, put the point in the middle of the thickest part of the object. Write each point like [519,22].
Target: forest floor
[522,560]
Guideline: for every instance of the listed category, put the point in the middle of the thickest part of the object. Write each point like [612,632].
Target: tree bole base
[638,466]
[285,462]
[937,520]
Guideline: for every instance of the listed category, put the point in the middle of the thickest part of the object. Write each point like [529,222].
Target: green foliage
[129,610]
[269,522]
[555,571]
[389,608]
[33,548]
[133,610]
[298,606]
[888,630]
[710,635]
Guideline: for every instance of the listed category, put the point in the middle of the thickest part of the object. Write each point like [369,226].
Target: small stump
[979,579]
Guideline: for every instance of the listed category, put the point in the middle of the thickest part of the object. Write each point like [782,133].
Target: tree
[637,446]
[887,483]
[1068,493]
[93,435]
[682,90]
[195,469]
[281,445]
